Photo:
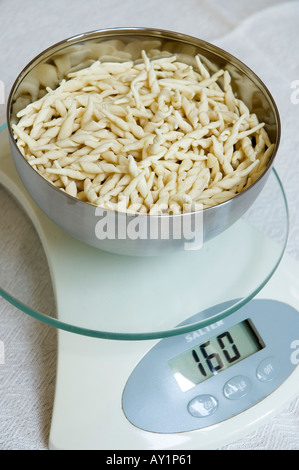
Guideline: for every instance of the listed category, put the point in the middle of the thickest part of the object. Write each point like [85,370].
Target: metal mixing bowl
[79,218]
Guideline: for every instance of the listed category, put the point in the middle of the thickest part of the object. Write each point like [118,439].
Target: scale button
[237,387]
[202,406]
[268,369]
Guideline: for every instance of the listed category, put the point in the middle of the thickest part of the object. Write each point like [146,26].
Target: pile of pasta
[156,134]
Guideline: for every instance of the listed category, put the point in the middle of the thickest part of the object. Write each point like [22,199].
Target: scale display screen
[215,355]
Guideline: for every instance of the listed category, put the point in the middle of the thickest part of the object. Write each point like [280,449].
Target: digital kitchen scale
[188,351]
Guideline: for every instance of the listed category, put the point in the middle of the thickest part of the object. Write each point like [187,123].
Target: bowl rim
[155,33]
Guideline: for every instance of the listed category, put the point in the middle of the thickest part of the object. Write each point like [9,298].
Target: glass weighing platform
[186,351]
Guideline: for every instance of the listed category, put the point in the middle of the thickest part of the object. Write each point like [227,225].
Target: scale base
[92,374]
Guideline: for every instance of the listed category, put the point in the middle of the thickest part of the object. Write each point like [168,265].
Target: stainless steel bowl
[79,218]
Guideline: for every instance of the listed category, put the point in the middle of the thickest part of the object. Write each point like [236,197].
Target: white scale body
[93,375]
[124,394]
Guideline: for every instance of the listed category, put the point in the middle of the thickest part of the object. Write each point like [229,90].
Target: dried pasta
[155,132]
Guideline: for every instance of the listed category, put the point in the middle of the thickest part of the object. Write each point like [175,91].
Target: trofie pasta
[154,133]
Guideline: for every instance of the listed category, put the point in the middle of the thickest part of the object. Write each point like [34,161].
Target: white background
[266,38]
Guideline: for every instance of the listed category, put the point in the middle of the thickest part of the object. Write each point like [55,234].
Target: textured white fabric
[264,34]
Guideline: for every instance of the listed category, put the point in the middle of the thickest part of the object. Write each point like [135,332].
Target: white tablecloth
[265,35]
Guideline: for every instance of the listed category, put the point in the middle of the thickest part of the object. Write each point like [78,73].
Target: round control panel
[197,380]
